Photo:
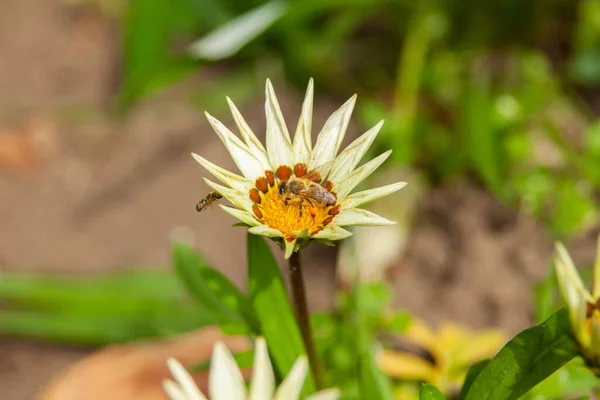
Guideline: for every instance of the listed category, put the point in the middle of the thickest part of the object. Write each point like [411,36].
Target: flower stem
[299,299]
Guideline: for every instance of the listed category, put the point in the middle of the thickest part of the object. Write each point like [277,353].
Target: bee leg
[300,208]
[312,209]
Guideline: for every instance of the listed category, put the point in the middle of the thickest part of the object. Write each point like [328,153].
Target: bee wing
[316,192]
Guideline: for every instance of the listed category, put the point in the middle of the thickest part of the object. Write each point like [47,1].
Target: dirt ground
[88,194]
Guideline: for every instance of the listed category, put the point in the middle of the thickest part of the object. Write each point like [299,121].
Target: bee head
[295,186]
[282,187]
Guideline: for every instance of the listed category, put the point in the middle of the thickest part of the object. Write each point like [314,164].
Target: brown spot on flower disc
[335,210]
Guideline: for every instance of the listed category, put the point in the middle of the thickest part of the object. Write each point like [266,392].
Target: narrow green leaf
[430,392]
[545,297]
[481,139]
[126,293]
[526,360]
[373,383]
[212,289]
[102,330]
[244,359]
[270,301]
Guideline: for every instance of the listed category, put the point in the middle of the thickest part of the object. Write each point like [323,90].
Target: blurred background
[491,109]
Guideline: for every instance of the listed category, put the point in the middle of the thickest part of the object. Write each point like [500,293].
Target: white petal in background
[263,379]
[373,249]
[228,39]
[225,378]
[291,386]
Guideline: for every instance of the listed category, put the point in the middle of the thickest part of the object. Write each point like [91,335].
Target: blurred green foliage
[491,91]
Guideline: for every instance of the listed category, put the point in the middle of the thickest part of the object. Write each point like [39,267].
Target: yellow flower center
[291,201]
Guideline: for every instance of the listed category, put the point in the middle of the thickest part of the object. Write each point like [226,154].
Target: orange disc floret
[284,172]
[262,184]
[254,196]
[300,170]
[270,177]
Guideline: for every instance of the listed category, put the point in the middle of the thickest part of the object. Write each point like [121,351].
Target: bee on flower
[227,383]
[291,191]
[583,306]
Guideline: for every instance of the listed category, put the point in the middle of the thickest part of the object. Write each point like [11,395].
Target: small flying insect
[298,190]
[208,201]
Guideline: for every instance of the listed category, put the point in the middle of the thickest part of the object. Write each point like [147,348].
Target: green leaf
[244,359]
[472,374]
[529,358]
[148,63]
[373,383]
[545,299]
[480,137]
[212,289]
[430,392]
[269,299]
[98,330]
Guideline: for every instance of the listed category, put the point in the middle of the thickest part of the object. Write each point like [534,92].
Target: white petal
[359,216]
[595,336]
[237,198]
[344,187]
[173,391]
[228,178]
[263,379]
[302,137]
[254,145]
[327,394]
[279,145]
[366,196]
[244,216]
[351,156]
[291,387]
[186,383]
[265,231]
[225,378]
[332,232]
[331,136]
[289,248]
[596,293]
[578,317]
[228,39]
[249,165]
[569,282]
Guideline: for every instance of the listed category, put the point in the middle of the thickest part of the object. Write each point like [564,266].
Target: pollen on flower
[279,208]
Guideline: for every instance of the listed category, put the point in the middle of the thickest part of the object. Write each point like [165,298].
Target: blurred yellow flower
[453,349]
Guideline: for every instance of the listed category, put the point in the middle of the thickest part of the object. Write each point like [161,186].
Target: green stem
[299,300]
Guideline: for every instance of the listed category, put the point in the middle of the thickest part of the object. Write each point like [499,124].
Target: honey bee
[208,200]
[298,190]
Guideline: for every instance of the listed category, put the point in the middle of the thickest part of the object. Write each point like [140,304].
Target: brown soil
[101,196]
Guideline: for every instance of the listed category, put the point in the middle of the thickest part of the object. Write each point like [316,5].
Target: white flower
[227,383]
[583,306]
[318,204]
